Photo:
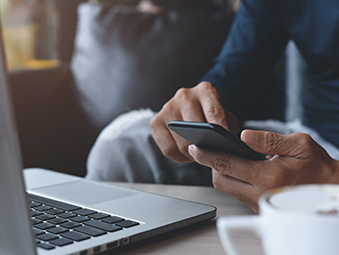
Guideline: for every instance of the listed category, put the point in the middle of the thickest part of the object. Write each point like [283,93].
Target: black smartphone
[213,137]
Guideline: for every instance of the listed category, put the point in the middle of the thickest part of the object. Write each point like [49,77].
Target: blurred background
[36,32]
[75,65]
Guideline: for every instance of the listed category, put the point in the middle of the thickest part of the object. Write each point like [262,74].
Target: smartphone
[213,137]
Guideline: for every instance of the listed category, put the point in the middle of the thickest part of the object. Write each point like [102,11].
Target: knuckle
[217,183]
[206,85]
[271,141]
[221,164]
[154,122]
[274,180]
[305,140]
[174,154]
[215,112]
[169,151]
[168,105]
[183,94]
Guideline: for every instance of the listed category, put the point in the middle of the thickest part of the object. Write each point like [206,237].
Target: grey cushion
[126,60]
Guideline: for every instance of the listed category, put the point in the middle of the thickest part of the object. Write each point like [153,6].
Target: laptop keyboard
[59,224]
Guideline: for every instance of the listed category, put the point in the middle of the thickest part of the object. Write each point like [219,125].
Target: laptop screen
[16,236]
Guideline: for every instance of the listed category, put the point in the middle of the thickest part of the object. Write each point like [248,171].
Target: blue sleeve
[255,45]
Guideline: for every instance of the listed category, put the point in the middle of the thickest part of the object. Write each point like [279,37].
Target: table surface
[201,238]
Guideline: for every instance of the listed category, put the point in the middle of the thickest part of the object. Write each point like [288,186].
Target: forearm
[255,44]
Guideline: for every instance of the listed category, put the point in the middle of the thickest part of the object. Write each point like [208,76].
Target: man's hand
[297,159]
[200,104]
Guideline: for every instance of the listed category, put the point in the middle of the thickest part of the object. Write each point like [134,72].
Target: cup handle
[225,226]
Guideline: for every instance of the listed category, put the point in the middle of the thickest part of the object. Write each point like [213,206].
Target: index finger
[211,106]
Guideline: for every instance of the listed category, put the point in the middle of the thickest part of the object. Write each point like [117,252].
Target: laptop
[46,212]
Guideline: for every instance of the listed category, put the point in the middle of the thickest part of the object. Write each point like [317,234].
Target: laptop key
[127,224]
[45,217]
[99,216]
[38,231]
[61,242]
[70,225]
[46,237]
[84,212]
[57,221]
[43,208]
[90,231]
[36,221]
[44,225]
[33,204]
[102,225]
[46,246]
[57,230]
[80,219]
[112,220]
[66,215]
[54,203]
[36,213]
[75,236]
[55,211]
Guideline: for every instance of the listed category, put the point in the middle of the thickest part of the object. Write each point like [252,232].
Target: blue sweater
[257,40]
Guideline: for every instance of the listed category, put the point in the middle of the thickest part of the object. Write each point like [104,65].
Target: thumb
[271,143]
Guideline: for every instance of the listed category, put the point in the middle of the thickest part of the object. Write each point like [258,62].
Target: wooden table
[201,238]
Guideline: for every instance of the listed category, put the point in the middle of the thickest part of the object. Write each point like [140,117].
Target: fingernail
[251,137]
[191,149]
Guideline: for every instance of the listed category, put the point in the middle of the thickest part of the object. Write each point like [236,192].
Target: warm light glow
[29,32]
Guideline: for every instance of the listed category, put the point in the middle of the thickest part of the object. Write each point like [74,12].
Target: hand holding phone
[214,137]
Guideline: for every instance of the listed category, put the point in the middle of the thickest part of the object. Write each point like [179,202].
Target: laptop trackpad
[85,192]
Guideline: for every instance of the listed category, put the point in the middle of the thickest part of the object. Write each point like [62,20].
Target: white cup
[295,220]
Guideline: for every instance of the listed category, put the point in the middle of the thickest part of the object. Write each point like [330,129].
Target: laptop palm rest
[84,192]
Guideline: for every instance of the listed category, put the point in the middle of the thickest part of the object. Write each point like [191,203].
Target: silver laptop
[45,212]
